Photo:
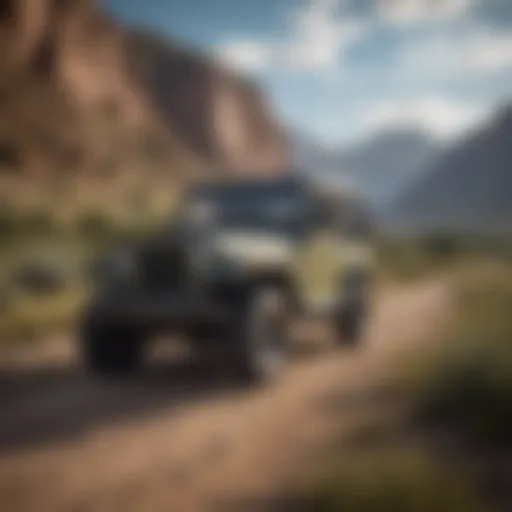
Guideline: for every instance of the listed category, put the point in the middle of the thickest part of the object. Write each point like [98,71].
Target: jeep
[238,262]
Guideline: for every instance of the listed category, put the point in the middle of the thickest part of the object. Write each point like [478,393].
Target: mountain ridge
[379,166]
[469,185]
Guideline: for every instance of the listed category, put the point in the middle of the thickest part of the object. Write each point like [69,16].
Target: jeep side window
[320,216]
[358,224]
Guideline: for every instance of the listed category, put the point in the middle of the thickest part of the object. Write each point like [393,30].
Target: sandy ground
[183,437]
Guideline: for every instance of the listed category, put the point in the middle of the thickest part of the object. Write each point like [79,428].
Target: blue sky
[341,70]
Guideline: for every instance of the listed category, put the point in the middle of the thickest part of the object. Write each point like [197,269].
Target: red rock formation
[219,115]
[244,133]
[141,82]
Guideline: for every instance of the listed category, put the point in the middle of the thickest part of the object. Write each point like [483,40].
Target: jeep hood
[253,248]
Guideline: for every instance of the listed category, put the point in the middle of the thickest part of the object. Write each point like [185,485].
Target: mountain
[67,100]
[308,154]
[379,167]
[84,100]
[384,164]
[469,186]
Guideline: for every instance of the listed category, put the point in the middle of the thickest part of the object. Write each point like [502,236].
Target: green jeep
[239,261]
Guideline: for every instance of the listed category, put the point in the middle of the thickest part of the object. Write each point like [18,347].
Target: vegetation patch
[29,318]
[407,257]
[460,384]
[465,379]
[389,479]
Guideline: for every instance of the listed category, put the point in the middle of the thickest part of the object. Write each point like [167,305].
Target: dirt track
[183,438]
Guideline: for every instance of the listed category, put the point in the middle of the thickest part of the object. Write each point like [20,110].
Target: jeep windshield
[270,206]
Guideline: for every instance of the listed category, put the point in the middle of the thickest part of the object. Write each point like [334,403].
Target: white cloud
[318,35]
[402,12]
[320,31]
[245,55]
[442,118]
[475,52]
[487,52]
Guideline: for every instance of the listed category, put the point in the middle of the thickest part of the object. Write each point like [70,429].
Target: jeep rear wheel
[351,319]
[349,326]
[112,351]
[261,336]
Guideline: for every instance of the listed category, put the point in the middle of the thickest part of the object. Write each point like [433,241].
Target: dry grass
[461,380]
[465,378]
[389,479]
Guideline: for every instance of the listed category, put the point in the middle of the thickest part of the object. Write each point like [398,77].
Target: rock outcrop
[78,92]
[220,116]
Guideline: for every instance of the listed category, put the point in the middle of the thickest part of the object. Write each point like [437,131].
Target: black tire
[350,327]
[110,352]
[260,343]
[351,320]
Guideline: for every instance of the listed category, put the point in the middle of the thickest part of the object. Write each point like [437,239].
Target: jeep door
[355,251]
[317,265]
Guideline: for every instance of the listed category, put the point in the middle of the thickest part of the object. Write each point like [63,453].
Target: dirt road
[183,438]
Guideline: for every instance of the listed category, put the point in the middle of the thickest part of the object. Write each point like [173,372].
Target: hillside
[87,107]
[468,187]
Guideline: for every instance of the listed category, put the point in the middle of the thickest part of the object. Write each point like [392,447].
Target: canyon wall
[79,92]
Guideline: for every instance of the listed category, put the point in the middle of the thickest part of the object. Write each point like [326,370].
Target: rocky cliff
[79,93]
[220,116]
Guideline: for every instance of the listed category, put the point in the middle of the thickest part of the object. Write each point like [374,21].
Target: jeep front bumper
[160,312]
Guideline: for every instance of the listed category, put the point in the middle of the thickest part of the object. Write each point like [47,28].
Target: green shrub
[15,225]
[389,479]
[442,246]
[94,224]
[99,228]
[30,318]
[42,275]
[7,221]
[37,223]
[403,259]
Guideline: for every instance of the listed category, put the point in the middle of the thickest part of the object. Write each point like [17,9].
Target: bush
[7,222]
[409,257]
[42,276]
[7,296]
[467,379]
[37,223]
[389,479]
[442,246]
[14,225]
[403,259]
[94,224]
[99,228]
[30,318]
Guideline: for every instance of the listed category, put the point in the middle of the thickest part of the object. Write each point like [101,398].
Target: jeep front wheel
[350,326]
[109,351]
[261,335]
